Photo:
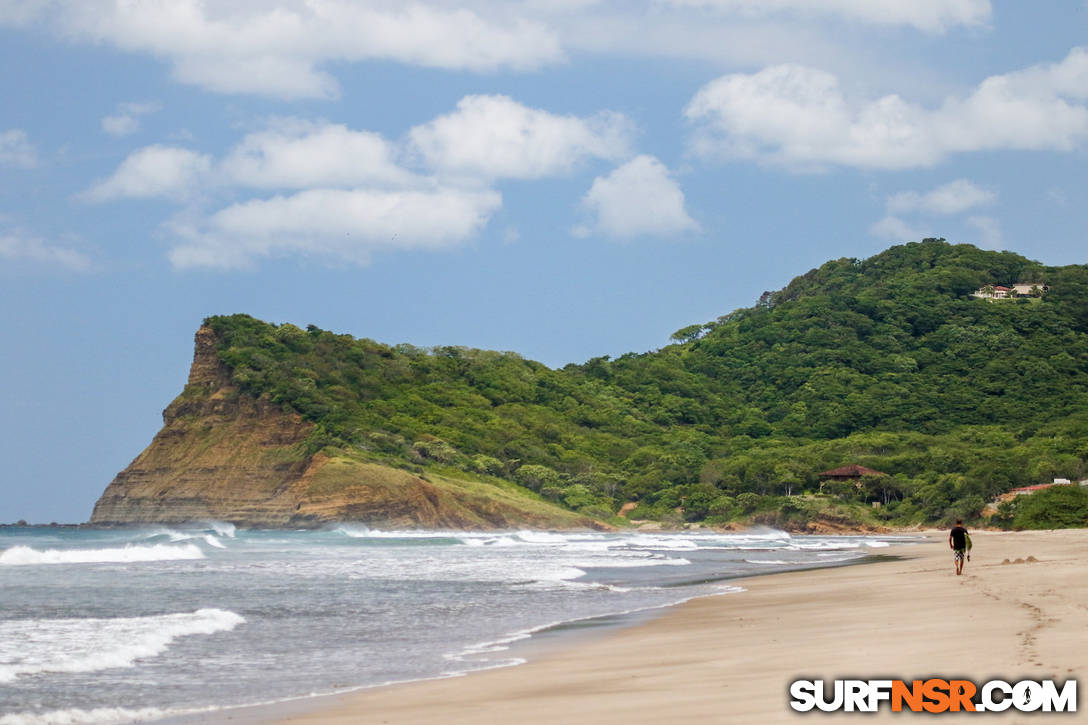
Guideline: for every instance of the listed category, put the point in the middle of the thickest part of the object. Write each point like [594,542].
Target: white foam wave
[581,586]
[359,531]
[96,716]
[35,646]
[161,531]
[775,562]
[616,563]
[666,542]
[354,532]
[826,546]
[760,535]
[489,541]
[25,555]
[222,528]
[877,544]
[199,531]
[176,536]
[543,537]
[212,541]
[565,573]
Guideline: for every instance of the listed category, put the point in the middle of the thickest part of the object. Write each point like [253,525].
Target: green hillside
[887,362]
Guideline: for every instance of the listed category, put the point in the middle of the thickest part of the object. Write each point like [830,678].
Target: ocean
[118,625]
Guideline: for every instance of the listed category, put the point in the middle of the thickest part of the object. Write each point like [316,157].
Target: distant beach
[1018,612]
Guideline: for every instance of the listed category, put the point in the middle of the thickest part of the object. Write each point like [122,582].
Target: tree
[787,476]
[880,488]
[535,477]
[487,464]
[1057,507]
[687,334]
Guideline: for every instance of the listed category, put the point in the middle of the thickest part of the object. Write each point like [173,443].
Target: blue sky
[561,178]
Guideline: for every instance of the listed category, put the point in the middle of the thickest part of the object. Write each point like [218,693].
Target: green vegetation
[1058,507]
[886,362]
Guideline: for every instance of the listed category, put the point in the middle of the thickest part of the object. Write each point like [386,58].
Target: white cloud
[335,224]
[753,34]
[497,137]
[354,198]
[154,172]
[295,154]
[894,229]
[120,124]
[989,231]
[800,117]
[487,137]
[16,150]
[293,48]
[278,48]
[954,197]
[928,15]
[18,247]
[127,119]
[638,198]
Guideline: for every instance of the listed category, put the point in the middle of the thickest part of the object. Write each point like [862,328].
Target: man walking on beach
[957,541]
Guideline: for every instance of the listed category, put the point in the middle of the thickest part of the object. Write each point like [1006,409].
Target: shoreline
[517,649]
[907,617]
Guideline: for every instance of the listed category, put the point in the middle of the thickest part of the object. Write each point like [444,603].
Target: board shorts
[957,554]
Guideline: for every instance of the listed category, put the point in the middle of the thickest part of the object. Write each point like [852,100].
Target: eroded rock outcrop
[220,455]
[225,455]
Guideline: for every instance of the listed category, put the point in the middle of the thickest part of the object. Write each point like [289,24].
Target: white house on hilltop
[1019,289]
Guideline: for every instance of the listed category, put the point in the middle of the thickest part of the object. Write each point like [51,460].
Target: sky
[561,178]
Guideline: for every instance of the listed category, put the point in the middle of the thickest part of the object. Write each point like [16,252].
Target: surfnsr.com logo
[933,695]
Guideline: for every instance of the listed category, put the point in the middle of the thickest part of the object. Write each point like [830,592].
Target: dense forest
[887,362]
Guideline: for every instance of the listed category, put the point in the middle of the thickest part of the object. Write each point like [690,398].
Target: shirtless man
[957,541]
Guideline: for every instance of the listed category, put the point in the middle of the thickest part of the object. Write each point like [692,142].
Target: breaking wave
[95,716]
[34,646]
[24,555]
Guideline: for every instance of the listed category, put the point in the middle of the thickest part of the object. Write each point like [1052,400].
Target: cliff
[226,455]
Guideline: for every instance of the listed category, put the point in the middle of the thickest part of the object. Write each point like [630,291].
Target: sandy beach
[731,658]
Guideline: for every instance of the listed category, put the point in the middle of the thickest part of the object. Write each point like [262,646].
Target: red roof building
[1027,490]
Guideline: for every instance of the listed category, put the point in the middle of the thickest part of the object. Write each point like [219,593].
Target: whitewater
[103,626]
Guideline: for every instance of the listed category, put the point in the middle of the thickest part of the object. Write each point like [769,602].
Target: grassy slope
[437,497]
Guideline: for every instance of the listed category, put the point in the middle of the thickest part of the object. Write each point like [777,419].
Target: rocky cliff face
[220,455]
[227,456]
